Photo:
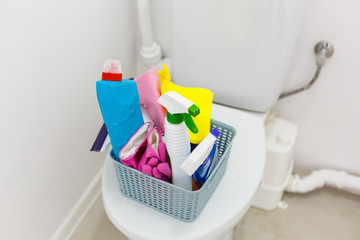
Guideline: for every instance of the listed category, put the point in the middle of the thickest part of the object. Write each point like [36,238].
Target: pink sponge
[148,85]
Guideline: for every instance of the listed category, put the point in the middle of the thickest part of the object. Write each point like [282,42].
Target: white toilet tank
[242,50]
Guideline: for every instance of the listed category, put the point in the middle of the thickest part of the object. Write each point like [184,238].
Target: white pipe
[150,50]
[331,178]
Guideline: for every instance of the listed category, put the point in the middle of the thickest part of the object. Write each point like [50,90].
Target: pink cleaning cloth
[134,149]
[148,85]
[153,161]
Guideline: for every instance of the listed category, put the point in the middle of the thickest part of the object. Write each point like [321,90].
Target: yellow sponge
[201,97]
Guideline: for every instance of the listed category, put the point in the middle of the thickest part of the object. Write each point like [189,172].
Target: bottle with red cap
[119,104]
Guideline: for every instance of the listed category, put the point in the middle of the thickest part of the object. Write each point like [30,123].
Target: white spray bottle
[177,122]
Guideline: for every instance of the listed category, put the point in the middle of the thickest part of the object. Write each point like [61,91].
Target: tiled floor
[323,214]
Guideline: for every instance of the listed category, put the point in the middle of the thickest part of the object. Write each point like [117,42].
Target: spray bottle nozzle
[194,110]
[189,122]
[179,109]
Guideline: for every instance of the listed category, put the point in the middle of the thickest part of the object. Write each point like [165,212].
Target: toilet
[241,50]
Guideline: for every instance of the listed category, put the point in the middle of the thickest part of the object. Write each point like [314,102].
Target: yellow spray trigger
[201,97]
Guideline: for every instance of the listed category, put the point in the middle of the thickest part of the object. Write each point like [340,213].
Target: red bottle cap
[112,70]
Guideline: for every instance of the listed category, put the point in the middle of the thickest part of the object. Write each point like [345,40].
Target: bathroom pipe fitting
[323,50]
[151,55]
[150,50]
[317,179]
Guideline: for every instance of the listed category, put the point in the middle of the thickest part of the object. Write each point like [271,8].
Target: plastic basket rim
[213,122]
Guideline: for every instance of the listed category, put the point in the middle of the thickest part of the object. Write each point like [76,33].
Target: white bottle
[177,122]
[200,153]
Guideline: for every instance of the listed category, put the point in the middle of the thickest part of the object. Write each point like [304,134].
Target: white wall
[51,55]
[327,115]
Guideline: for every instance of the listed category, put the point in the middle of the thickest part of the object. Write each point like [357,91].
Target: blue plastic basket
[168,198]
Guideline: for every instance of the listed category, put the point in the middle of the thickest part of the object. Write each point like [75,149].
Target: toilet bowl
[242,51]
[226,207]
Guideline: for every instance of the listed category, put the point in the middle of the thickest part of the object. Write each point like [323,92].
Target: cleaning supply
[177,122]
[148,85]
[119,104]
[102,140]
[200,161]
[146,152]
[205,169]
[200,153]
[153,161]
[134,149]
[201,97]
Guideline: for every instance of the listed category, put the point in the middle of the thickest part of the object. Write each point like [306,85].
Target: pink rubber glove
[153,162]
[134,149]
